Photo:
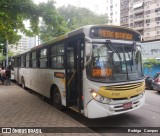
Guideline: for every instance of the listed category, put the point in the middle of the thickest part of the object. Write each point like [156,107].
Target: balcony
[139,26]
[138,18]
[138,10]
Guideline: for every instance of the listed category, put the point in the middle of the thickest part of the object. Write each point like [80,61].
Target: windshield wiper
[130,60]
[125,62]
[112,46]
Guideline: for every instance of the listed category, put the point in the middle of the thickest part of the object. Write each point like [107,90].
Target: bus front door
[73,70]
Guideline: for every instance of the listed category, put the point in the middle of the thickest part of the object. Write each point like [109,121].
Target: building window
[131,16]
[147,4]
[148,30]
[131,24]
[157,10]
[147,21]
[158,37]
[158,28]
[157,19]
[147,12]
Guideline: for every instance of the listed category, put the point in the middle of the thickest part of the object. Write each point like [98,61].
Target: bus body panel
[103,110]
[41,80]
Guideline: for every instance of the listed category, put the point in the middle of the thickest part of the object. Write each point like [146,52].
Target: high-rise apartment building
[142,15]
[23,45]
[113,8]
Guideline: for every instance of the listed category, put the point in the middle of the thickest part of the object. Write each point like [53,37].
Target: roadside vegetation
[44,20]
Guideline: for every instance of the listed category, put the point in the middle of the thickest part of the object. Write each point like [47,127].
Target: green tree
[150,62]
[74,17]
[77,16]
[52,28]
[14,13]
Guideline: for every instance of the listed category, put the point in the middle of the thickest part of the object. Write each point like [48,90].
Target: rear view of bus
[113,80]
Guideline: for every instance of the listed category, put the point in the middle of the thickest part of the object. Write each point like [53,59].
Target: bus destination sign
[114,33]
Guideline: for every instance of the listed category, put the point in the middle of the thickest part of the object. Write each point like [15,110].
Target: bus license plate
[127,105]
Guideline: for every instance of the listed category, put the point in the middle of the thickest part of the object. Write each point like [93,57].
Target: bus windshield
[116,62]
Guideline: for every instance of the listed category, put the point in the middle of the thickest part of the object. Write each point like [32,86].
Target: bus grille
[124,87]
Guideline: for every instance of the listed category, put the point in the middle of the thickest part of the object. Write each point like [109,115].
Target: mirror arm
[90,58]
[90,54]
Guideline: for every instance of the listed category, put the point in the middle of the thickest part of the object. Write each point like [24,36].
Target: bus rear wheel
[23,84]
[57,102]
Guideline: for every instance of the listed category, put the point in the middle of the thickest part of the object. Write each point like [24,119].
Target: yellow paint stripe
[121,94]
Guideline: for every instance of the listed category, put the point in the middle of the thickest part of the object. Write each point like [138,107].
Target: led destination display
[114,33]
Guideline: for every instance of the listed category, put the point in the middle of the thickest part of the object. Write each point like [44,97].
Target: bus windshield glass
[116,62]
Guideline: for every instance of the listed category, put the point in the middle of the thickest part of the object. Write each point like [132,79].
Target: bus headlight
[99,98]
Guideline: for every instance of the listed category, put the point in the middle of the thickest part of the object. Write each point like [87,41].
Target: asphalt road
[147,116]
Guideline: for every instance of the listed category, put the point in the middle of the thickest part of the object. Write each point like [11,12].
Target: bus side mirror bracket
[88,51]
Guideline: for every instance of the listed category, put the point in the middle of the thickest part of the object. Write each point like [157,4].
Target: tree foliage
[55,26]
[78,16]
[74,17]
[14,13]
[150,62]
[12,16]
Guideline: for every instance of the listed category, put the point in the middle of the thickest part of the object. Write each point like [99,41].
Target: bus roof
[80,30]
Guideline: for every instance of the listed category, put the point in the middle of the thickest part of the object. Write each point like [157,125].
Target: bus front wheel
[57,102]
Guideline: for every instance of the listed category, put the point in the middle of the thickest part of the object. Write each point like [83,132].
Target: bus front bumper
[96,109]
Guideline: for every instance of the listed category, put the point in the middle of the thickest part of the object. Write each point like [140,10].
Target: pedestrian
[8,76]
[3,75]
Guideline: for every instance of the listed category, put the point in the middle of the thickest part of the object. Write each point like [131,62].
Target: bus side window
[57,56]
[43,58]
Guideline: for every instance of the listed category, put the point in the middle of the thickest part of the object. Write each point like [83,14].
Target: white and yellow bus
[94,70]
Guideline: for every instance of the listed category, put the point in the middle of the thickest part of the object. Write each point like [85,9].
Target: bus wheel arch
[55,97]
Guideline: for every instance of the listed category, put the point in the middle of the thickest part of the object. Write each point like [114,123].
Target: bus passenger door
[73,73]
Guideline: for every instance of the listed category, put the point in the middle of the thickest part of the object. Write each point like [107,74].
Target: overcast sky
[98,6]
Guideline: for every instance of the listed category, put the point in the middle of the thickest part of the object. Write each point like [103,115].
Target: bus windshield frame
[115,62]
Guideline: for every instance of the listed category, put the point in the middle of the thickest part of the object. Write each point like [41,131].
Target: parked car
[156,82]
[148,82]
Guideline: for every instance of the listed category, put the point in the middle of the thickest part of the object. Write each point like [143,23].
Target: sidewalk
[19,108]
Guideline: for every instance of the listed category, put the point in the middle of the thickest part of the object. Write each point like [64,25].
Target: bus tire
[23,83]
[57,102]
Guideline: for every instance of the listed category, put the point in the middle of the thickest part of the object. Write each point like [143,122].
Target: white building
[151,50]
[24,44]
[113,11]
